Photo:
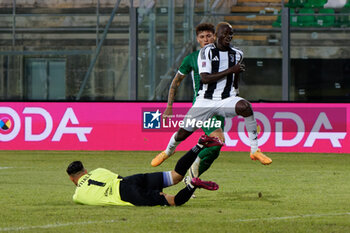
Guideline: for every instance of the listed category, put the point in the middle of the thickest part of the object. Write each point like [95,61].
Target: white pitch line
[54,225]
[5,167]
[112,221]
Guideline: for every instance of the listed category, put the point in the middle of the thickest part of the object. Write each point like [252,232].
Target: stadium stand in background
[46,48]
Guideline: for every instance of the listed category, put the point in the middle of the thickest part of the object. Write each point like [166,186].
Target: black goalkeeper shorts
[143,189]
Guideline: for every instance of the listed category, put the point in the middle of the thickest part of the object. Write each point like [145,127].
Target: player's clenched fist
[237,68]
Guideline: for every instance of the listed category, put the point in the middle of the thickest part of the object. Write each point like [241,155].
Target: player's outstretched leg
[185,194]
[170,150]
[244,109]
[255,153]
[207,156]
[204,160]
[185,162]
[175,140]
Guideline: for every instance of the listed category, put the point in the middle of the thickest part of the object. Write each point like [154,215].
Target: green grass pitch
[298,193]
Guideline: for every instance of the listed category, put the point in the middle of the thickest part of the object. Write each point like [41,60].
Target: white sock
[172,145]
[190,186]
[251,126]
[193,171]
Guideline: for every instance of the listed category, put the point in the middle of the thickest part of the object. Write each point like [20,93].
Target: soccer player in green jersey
[205,35]
[103,187]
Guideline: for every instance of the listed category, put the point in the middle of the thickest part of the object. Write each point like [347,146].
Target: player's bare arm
[172,93]
[208,78]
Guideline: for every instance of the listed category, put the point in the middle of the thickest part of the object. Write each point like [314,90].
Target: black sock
[185,162]
[183,195]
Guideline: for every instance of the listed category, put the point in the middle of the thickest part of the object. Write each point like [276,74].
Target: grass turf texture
[298,193]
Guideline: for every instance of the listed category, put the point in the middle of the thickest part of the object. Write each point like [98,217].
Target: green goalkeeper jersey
[190,65]
[99,187]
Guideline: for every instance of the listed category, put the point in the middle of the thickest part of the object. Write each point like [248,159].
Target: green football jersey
[190,65]
[99,187]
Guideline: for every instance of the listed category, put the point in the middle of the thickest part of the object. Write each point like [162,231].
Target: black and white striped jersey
[211,60]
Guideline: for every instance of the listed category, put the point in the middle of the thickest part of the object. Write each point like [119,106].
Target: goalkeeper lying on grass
[103,187]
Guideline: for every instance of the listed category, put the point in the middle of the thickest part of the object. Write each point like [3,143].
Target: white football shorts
[204,109]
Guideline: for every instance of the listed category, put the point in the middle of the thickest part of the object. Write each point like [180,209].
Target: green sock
[207,156]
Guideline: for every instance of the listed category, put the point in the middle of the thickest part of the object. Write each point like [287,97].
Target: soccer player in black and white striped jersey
[218,65]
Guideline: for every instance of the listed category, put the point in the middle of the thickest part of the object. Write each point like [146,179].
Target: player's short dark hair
[205,27]
[75,167]
[222,24]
